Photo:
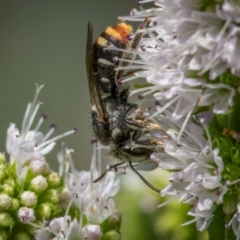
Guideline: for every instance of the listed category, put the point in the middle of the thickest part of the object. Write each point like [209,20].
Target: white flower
[61,228]
[93,199]
[92,232]
[29,145]
[202,218]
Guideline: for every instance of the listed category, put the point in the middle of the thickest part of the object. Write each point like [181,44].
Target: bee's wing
[94,91]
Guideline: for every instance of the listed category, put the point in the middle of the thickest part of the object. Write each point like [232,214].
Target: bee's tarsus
[108,170]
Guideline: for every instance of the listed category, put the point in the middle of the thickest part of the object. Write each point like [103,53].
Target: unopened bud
[51,196]
[9,190]
[28,199]
[38,184]
[39,167]
[92,232]
[15,204]
[53,179]
[5,201]
[6,220]
[65,198]
[44,210]
[111,235]
[113,222]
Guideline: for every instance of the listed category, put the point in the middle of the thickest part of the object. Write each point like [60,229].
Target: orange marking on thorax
[119,31]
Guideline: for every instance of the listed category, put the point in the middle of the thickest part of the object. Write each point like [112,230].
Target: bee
[116,122]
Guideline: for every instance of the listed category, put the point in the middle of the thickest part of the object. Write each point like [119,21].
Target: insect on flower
[116,122]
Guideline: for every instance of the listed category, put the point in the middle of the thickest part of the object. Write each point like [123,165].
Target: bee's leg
[108,170]
[144,125]
[143,179]
[148,142]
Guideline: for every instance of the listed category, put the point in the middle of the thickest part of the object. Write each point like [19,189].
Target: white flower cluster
[197,180]
[189,55]
[30,146]
[93,200]
[183,42]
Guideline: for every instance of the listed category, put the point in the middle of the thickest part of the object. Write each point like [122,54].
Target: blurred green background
[44,42]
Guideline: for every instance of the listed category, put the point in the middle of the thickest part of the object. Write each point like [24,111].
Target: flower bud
[51,196]
[5,201]
[28,199]
[65,198]
[21,236]
[44,210]
[26,215]
[38,184]
[111,235]
[113,222]
[15,204]
[6,220]
[9,186]
[53,179]
[9,190]
[92,232]
[39,167]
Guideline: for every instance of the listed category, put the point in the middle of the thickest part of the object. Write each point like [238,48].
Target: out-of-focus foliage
[142,219]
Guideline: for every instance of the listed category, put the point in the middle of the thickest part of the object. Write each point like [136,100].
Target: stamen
[30,110]
[50,132]
[144,89]
[68,208]
[185,123]
[215,60]
[165,107]
[56,138]
[99,158]
[166,202]
[233,182]
[115,59]
[189,222]
[29,124]
[40,121]
[93,140]
[132,61]
[208,134]
[120,81]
